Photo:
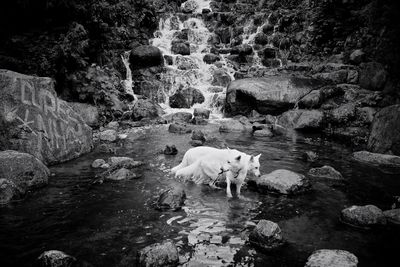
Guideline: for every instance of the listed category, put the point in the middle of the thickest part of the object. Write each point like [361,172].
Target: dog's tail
[183,164]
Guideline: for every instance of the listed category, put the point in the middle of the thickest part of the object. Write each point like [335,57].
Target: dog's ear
[251,158]
[258,156]
[238,157]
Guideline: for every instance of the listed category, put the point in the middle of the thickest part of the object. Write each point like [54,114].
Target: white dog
[208,161]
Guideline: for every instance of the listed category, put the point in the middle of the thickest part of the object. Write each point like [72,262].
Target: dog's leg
[238,187]
[228,186]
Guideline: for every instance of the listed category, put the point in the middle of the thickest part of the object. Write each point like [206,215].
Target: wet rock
[171,199]
[98,163]
[108,135]
[179,117]
[373,76]
[220,78]
[179,128]
[120,174]
[159,254]
[146,56]
[185,98]
[263,133]
[368,215]
[383,160]
[146,109]
[272,95]
[357,56]
[198,135]
[283,182]
[331,258]
[125,162]
[41,124]
[114,125]
[235,126]
[266,235]
[189,6]
[385,137]
[19,173]
[310,156]
[327,172]
[186,63]
[202,112]
[343,114]
[301,119]
[211,58]
[89,113]
[311,100]
[56,258]
[392,216]
[169,59]
[199,120]
[170,150]
[180,48]
[335,77]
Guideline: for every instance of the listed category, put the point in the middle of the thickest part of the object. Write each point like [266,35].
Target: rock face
[283,182]
[272,95]
[266,235]
[382,160]
[55,258]
[171,199]
[327,172]
[145,56]
[368,215]
[20,172]
[157,255]
[43,125]
[332,258]
[385,133]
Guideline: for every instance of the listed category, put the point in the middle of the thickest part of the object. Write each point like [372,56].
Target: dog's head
[234,163]
[254,165]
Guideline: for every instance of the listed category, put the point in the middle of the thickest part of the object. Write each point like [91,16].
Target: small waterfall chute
[128,82]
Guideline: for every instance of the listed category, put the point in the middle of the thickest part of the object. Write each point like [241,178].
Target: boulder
[301,119]
[282,182]
[392,216]
[327,172]
[146,109]
[266,235]
[20,172]
[145,56]
[114,125]
[180,48]
[368,215]
[89,113]
[311,100]
[125,162]
[382,160]
[202,112]
[331,258]
[158,255]
[56,258]
[211,58]
[186,63]
[179,128]
[178,117]
[357,56]
[185,98]
[220,78]
[385,133]
[41,124]
[373,76]
[263,133]
[171,199]
[170,150]
[98,163]
[189,6]
[108,135]
[272,95]
[342,114]
[235,126]
[198,135]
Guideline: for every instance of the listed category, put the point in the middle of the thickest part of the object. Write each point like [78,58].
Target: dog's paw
[229,195]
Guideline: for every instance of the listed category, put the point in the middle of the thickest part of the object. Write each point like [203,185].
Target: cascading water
[128,82]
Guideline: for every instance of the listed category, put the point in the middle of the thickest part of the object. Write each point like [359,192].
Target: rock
[392,216]
[98,163]
[199,120]
[363,215]
[266,235]
[198,135]
[179,128]
[108,135]
[171,199]
[125,162]
[159,254]
[310,156]
[170,150]
[145,56]
[56,258]
[185,98]
[343,114]
[211,58]
[301,119]
[335,77]
[327,172]
[272,95]
[283,182]
[146,109]
[215,89]
[178,117]
[382,160]
[89,113]
[41,124]
[235,126]
[114,125]
[373,76]
[221,78]
[120,174]
[202,112]
[331,258]
[385,133]
[180,48]
[189,6]
[263,133]
[19,173]
[357,56]
[196,143]
[186,63]
[311,100]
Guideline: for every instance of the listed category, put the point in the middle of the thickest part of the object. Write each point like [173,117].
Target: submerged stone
[171,199]
[266,235]
[332,258]
[327,172]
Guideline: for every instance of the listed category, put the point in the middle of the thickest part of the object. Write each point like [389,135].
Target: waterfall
[128,83]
